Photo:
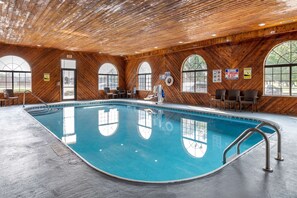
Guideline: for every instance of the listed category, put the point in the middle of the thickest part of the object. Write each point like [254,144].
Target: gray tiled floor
[34,164]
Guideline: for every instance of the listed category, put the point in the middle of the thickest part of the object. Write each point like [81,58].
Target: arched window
[145,76]
[15,73]
[108,76]
[194,137]
[194,73]
[281,70]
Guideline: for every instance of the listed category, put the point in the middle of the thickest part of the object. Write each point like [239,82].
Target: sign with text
[46,77]
[232,74]
[247,73]
[217,75]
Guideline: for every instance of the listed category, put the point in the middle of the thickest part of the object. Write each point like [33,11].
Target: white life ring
[169,80]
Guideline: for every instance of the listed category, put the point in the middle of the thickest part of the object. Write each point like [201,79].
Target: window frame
[195,75]
[107,77]
[13,72]
[290,66]
[145,78]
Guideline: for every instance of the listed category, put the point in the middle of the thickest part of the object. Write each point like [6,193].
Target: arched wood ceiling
[120,27]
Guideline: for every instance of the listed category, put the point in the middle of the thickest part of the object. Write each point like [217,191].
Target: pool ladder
[28,91]
[248,133]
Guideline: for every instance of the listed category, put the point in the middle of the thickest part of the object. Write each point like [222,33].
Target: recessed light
[38,45]
[261,24]
[180,42]
[156,47]
[136,52]
[214,35]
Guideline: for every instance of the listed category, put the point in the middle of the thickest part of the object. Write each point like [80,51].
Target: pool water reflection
[148,145]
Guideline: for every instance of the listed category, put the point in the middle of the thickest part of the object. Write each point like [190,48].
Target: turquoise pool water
[147,145]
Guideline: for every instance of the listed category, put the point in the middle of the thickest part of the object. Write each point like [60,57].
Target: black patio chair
[132,93]
[233,96]
[109,93]
[9,95]
[121,92]
[249,97]
[219,97]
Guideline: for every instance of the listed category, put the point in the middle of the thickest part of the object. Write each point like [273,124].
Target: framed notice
[217,75]
[232,74]
[46,77]
[247,73]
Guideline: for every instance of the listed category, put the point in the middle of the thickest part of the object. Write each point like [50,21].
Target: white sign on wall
[217,75]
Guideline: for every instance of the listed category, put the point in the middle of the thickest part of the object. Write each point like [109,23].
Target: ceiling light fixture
[180,42]
[272,32]
[214,35]
[156,47]
[261,24]
[38,45]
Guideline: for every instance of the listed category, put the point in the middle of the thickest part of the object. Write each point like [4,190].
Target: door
[68,84]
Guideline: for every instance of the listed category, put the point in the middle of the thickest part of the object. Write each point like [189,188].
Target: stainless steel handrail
[28,91]
[245,133]
[279,153]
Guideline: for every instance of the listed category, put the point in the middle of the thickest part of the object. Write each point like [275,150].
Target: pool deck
[35,164]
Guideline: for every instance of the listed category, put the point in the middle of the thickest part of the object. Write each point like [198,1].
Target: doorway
[68,79]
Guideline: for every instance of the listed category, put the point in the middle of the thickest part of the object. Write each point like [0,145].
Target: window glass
[68,64]
[280,70]
[15,73]
[194,75]
[144,76]
[108,76]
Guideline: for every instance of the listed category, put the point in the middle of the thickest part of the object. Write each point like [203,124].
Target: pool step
[44,111]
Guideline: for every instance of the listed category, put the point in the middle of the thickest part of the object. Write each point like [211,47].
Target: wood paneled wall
[45,60]
[249,53]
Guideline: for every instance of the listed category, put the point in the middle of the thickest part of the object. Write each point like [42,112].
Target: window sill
[279,96]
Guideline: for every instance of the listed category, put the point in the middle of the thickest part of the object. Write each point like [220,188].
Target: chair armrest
[240,98]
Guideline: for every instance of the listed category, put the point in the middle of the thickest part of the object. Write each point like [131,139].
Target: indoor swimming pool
[145,143]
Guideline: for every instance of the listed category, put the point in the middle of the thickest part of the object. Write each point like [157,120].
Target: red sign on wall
[232,74]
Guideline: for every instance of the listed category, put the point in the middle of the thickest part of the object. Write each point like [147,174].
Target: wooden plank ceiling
[120,27]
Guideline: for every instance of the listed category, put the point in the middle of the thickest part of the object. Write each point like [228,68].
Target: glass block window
[15,73]
[280,71]
[194,75]
[108,76]
[145,77]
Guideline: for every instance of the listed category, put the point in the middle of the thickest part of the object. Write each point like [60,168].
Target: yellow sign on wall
[247,73]
[46,77]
